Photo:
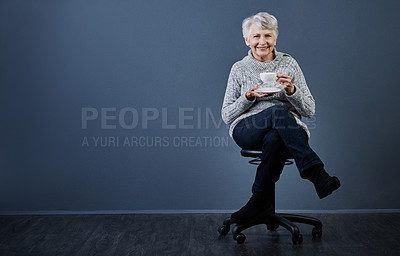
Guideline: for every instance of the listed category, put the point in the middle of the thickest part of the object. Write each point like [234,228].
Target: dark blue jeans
[276,133]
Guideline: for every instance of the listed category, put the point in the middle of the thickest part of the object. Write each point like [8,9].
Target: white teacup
[268,77]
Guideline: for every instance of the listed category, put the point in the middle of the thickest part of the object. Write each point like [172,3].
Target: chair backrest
[256,155]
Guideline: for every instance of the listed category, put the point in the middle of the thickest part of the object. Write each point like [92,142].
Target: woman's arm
[235,103]
[301,99]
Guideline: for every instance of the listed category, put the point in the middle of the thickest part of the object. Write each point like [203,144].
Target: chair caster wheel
[316,232]
[223,230]
[298,239]
[239,238]
[227,221]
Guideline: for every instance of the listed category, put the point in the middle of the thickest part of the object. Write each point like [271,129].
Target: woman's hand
[286,81]
[251,94]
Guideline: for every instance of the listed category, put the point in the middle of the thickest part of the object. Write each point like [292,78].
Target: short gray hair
[264,20]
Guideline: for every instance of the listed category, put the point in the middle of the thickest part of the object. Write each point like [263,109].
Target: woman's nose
[263,40]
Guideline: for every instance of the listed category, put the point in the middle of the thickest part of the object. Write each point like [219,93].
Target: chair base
[273,222]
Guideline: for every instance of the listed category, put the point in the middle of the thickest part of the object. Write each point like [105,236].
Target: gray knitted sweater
[246,73]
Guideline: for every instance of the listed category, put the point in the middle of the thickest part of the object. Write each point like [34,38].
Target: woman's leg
[250,133]
[307,161]
[274,155]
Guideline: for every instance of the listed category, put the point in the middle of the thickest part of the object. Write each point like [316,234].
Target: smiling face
[262,43]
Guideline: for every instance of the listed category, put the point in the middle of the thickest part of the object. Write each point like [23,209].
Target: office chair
[276,219]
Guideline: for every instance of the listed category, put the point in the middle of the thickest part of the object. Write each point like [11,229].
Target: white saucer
[268,89]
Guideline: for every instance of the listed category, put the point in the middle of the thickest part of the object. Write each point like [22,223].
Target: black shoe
[324,183]
[254,210]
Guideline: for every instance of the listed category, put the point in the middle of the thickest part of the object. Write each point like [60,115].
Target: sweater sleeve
[235,103]
[301,99]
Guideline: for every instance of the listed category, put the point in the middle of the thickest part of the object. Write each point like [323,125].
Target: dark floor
[192,234]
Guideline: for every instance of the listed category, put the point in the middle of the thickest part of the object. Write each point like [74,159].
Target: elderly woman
[271,122]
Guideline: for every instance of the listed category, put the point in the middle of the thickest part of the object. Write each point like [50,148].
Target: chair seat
[251,153]
[256,154]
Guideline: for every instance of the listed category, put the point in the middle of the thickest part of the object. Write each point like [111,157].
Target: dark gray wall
[63,61]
